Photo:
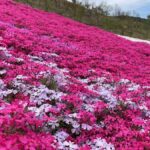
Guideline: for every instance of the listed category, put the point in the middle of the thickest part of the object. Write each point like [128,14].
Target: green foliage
[50,83]
[97,16]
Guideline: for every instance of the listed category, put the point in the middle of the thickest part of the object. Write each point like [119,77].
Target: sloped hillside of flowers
[68,86]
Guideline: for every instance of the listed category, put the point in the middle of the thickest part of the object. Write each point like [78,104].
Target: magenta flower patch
[68,86]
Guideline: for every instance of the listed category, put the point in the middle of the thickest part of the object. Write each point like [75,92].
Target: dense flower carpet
[68,86]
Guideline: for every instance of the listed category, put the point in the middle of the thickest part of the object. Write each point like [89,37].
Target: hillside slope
[125,25]
[68,86]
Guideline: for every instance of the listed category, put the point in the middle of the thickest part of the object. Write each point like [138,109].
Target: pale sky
[140,6]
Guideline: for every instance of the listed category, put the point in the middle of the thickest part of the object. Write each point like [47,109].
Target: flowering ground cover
[68,86]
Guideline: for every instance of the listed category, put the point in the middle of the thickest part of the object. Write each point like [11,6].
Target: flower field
[68,86]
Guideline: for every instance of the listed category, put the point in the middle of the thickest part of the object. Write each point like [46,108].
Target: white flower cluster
[88,107]
[35,58]
[2,85]
[131,86]
[86,127]
[103,89]
[54,124]
[68,145]
[2,72]
[41,93]
[59,77]
[37,94]
[5,52]
[41,110]
[134,87]
[2,48]
[61,137]
[101,144]
[4,92]
[70,120]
